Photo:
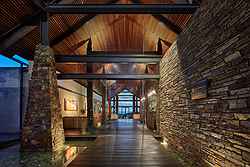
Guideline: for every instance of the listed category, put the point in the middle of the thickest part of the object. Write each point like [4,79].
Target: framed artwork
[200,90]
[97,106]
[70,104]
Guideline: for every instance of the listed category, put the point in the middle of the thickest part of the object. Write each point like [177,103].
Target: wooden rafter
[173,27]
[27,25]
[75,27]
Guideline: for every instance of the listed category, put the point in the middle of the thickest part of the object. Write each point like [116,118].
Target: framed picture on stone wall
[70,104]
[199,91]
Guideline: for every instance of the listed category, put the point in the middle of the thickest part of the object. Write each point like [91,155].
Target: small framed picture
[70,104]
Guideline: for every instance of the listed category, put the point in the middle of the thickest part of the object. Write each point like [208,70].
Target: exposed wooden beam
[87,18]
[18,35]
[75,27]
[26,25]
[173,27]
[176,29]
[71,30]
[122,9]
[65,76]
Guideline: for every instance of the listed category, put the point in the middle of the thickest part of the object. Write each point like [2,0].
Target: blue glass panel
[6,62]
[19,58]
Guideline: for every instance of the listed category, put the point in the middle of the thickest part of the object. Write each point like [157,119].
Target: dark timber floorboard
[123,144]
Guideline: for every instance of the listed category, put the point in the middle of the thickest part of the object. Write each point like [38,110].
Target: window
[125,103]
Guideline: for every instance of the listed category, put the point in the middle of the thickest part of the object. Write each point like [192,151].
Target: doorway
[125,104]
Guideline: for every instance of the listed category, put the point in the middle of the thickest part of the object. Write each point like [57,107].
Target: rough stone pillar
[43,125]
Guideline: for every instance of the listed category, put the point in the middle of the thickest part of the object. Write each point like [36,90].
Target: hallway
[123,144]
[72,71]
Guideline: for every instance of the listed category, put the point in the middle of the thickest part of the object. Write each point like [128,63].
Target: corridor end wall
[215,47]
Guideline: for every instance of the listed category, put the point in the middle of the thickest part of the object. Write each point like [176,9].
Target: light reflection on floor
[12,157]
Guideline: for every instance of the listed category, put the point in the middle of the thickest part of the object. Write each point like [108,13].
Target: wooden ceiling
[135,33]
[119,33]
[111,33]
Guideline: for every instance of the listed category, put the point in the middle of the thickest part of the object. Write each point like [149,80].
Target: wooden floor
[123,144]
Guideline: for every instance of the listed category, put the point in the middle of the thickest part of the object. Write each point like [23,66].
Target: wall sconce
[153,92]
[165,141]
[143,99]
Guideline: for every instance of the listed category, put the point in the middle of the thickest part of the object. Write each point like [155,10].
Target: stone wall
[43,125]
[212,131]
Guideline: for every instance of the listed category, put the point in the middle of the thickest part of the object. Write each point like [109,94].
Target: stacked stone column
[43,124]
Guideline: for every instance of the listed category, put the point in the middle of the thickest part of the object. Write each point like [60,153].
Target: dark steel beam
[122,8]
[44,29]
[133,58]
[39,3]
[172,26]
[66,76]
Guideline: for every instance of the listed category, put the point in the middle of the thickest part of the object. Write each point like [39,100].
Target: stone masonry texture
[43,125]
[215,46]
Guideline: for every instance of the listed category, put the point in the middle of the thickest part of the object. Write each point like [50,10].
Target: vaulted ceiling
[135,33]
[19,32]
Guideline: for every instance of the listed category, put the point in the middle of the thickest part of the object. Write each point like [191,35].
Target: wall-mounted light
[143,99]
[153,92]
[165,142]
